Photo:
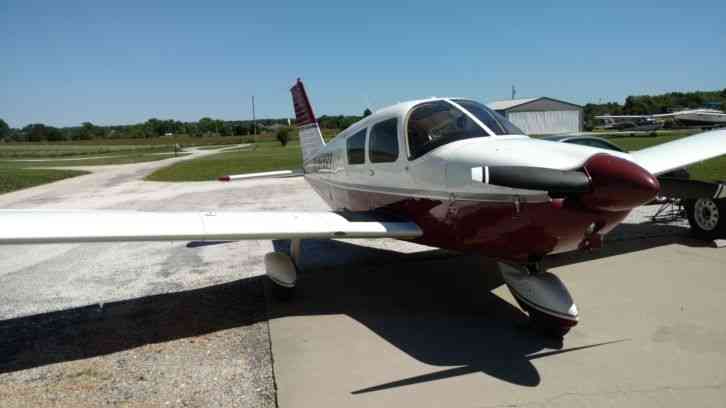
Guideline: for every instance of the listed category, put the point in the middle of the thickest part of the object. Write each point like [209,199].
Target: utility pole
[254,122]
[514,92]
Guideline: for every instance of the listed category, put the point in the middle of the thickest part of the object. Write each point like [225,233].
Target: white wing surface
[50,226]
[682,152]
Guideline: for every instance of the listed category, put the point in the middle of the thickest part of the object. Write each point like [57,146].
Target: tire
[707,218]
[547,325]
[281,293]
[543,323]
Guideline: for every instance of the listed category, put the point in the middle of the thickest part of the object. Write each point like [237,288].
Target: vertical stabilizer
[311,140]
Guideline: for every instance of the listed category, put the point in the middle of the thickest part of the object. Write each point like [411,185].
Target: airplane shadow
[628,238]
[94,330]
[436,306]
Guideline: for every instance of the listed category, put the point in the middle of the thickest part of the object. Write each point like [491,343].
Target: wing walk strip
[69,226]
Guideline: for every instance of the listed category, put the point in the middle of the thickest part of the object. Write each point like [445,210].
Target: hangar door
[546,122]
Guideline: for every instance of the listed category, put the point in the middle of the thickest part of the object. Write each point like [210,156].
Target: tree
[55,134]
[4,130]
[367,112]
[88,131]
[36,132]
[283,134]
[206,125]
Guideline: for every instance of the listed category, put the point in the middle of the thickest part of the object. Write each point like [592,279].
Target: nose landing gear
[282,271]
[543,296]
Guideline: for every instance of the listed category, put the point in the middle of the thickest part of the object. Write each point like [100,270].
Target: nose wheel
[543,296]
[281,270]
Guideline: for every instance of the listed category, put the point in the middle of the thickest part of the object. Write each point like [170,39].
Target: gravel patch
[199,348]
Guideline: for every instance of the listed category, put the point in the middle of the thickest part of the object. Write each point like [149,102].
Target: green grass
[266,156]
[101,161]
[31,151]
[16,175]
[108,146]
[12,179]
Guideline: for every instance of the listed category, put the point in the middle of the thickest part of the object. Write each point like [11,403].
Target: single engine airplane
[444,172]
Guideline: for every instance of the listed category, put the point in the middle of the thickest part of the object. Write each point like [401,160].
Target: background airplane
[444,172]
[689,117]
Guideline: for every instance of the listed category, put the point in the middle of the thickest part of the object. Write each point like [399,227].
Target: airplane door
[385,166]
[356,172]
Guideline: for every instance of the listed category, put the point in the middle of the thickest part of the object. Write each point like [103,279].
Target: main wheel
[546,324]
[707,217]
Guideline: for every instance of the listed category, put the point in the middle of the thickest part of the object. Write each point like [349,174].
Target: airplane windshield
[491,119]
[437,123]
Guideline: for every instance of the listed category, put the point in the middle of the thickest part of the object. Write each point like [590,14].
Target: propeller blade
[685,188]
[536,178]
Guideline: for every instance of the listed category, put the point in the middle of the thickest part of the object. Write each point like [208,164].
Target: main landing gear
[281,269]
[543,296]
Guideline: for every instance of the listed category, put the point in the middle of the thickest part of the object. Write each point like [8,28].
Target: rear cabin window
[384,142]
[435,124]
[356,148]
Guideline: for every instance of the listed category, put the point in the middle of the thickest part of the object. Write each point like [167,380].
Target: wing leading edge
[76,226]
[682,152]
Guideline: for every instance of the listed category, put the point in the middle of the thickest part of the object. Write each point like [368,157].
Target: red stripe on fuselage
[494,229]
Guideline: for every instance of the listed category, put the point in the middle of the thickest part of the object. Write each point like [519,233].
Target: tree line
[152,128]
[38,132]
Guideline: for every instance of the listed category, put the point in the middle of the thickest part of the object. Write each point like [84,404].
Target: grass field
[31,151]
[16,179]
[110,146]
[16,175]
[265,157]
[100,161]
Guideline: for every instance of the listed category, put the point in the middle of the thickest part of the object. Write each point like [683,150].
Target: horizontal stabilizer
[264,174]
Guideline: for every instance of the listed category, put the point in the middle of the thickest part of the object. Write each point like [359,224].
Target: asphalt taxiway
[375,322]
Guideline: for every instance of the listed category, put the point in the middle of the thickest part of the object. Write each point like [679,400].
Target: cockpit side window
[434,124]
[355,146]
[384,142]
[491,119]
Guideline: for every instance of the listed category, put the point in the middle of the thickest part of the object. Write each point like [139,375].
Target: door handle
[372,172]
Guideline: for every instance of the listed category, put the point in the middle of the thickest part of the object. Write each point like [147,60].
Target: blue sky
[62,63]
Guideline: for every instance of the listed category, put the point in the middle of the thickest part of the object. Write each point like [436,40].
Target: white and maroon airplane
[445,172]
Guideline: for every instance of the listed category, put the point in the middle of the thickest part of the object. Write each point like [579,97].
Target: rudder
[311,139]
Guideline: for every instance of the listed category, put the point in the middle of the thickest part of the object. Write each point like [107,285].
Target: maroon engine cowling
[618,184]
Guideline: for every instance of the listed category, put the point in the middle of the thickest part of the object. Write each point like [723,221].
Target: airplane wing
[682,152]
[74,226]
[622,116]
